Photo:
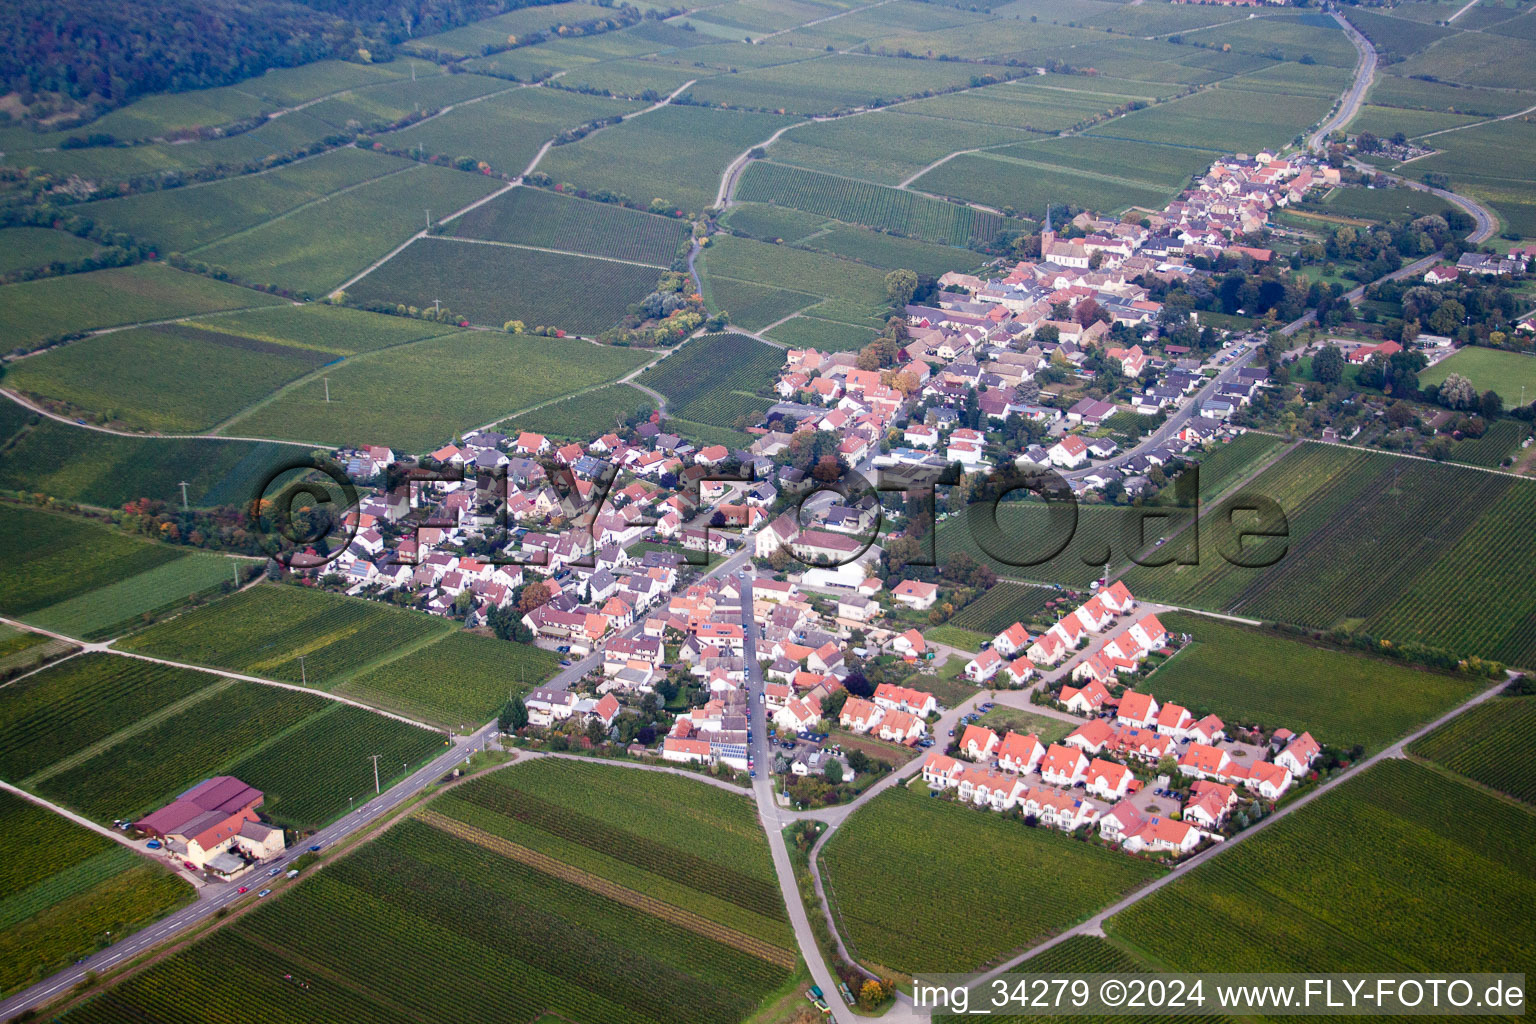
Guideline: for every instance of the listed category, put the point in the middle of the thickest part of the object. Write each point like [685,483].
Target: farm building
[214,826]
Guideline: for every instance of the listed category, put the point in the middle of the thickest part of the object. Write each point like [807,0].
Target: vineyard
[755,306]
[716,378]
[82,701]
[1403,549]
[1491,744]
[1500,442]
[62,887]
[50,558]
[851,292]
[367,939]
[264,631]
[1002,606]
[859,202]
[1245,674]
[584,416]
[530,216]
[117,607]
[987,884]
[1399,869]
[461,680]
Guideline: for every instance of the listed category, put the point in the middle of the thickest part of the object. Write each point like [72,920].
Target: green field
[495,32]
[1391,547]
[676,154]
[379,399]
[1489,744]
[1029,185]
[1502,440]
[830,83]
[461,680]
[716,378]
[26,248]
[529,216]
[1004,885]
[826,335]
[317,248]
[1002,606]
[35,311]
[1489,369]
[470,880]
[1246,674]
[958,637]
[858,202]
[105,469]
[65,888]
[896,143]
[74,572]
[264,630]
[851,292]
[182,219]
[1418,872]
[756,306]
[584,416]
[491,283]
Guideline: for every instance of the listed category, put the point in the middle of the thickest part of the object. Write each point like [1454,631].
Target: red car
[189,865]
[242,889]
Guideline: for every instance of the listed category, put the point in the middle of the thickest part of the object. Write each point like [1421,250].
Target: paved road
[1349,103]
[199,912]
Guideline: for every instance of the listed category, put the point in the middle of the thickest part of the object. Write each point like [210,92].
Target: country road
[1350,102]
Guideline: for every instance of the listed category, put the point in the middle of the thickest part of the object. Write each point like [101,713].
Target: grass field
[1489,369]
[716,378]
[79,577]
[1400,837]
[1003,718]
[104,469]
[1246,674]
[858,202]
[461,680]
[492,283]
[1486,162]
[1387,546]
[317,248]
[1488,744]
[25,248]
[1004,885]
[35,311]
[65,888]
[675,154]
[536,217]
[489,375]
[959,637]
[632,883]
[851,292]
[584,416]
[264,630]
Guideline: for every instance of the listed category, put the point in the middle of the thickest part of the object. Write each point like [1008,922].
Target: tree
[1457,392]
[1328,366]
[1447,318]
[899,286]
[1167,765]
[834,772]
[871,994]
[514,715]
[856,684]
[534,595]
[1492,405]
[832,707]
[597,732]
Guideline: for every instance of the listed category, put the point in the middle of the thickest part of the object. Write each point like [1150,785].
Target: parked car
[153,844]
[274,872]
[264,892]
[189,865]
[293,873]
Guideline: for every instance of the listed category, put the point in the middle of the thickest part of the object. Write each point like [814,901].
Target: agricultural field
[142,378]
[264,630]
[1030,185]
[1002,606]
[715,379]
[1225,120]
[891,146]
[676,154]
[1245,674]
[80,703]
[489,376]
[756,306]
[826,335]
[313,250]
[21,652]
[1502,441]
[507,131]
[1413,93]
[35,311]
[490,283]
[1488,744]
[388,103]
[890,252]
[528,216]
[183,219]
[1348,562]
[26,248]
[1381,204]
[127,604]
[958,637]
[584,416]
[1510,374]
[465,882]
[51,558]
[460,680]
[1399,836]
[109,470]
[859,202]
[501,29]
[1231,461]
[1026,532]
[773,223]
[851,292]
[65,888]
[1006,885]
[830,83]
[1384,122]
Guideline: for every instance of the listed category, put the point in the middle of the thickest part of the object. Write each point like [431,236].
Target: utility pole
[327,389]
[437,306]
[303,672]
[375,773]
[429,220]
[183,486]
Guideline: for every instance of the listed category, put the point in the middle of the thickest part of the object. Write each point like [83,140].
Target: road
[198,913]
[1349,103]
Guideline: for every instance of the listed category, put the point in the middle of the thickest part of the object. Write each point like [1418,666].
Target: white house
[1021,754]
[1107,779]
[1063,766]
[1298,755]
[984,666]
